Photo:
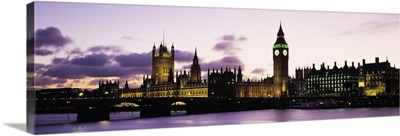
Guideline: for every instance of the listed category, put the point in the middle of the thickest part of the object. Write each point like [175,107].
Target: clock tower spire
[281,63]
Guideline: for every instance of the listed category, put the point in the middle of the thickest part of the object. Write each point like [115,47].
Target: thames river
[65,123]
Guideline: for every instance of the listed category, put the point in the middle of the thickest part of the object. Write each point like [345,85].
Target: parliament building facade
[221,83]
[368,79]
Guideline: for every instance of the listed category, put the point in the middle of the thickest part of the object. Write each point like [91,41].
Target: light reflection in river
[59,123]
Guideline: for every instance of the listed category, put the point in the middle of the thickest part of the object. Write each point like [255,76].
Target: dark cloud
[228,44]
[50,36]
[78,71]
[224,46]
[43,52]
[228,61]
[258,71]
[91,60]
[101,48]
[32,67]
[57,60]
[183,56]
[45,81]
[44,39]
[134,60]
[76,51]
[96,81]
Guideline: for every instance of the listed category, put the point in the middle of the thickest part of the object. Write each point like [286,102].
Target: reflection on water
[62,123]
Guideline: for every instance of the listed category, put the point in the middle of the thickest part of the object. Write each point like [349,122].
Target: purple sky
[80,44]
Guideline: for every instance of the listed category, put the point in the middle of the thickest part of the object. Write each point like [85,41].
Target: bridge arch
[126,104]
[177,103]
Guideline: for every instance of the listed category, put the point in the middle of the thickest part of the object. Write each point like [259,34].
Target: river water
[65,123]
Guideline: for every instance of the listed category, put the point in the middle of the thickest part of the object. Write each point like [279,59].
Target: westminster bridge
[98,108]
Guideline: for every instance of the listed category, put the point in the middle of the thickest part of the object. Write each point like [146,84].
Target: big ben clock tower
[281,63]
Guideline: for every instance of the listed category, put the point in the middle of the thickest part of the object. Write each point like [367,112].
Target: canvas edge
[30,60]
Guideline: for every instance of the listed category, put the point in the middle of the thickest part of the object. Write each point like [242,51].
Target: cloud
[242,38]
[32,67]
[228,37]
[78,72]
[128,38]
[96,81]
[44,39]
[91,60]
[101,48]
[76,51]
[43,52]
[258,71]
[183,56]
[134,60]
[58,60]
[224,46]
[228,45]
[45,81]
[228,61]
[371,27]
[51,36]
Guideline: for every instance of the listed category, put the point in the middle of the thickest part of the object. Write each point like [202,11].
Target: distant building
[255,89]
[108,89]
[162,84]
[378,78]
[332,82]
[228,84]
[57,93]
[195,70]
[162,64]
[371,79]
[299,82]
[221,84]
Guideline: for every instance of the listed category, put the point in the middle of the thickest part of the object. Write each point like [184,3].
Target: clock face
[284,52]
[276,52]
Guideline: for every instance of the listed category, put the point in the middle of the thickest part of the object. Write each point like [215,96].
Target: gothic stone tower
[195,70]
[162,63]
[281,63]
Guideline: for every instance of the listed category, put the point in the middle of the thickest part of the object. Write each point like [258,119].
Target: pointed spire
[280,32]
[281,38]
[195,52]
[126,85]
[195,59]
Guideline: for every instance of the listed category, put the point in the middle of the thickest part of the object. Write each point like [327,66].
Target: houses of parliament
[220,83]
[373,79]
